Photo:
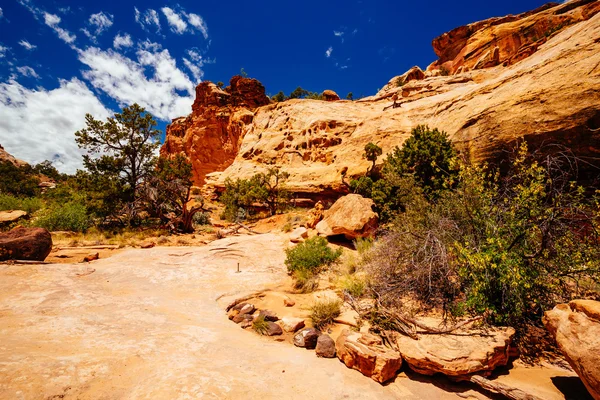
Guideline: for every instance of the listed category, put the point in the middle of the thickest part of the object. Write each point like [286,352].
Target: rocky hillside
[543,85]
[5,156]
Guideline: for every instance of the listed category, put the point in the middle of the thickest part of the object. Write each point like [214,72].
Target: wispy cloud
[198,22]
[53,21]
[1,13]
[147,19]
[99,23]
[27,45]
[328,52]
[28,72]
[177,24]
[121,41]
[3,50]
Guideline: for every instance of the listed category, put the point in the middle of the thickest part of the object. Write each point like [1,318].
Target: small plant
[352,284]
[260,326]
[305,281]
[29,204]
[322,313]
[399,81]
[287,227]
[201,218]
[311,255]
[363,245]
[444,71]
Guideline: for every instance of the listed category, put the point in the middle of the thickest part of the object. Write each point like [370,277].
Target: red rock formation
[506,40]
[5,156]
[330,95]
[211,135]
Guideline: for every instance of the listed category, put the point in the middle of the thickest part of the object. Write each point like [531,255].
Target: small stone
[325,347]
[292,324]
[147,245]
[242,317]
[246,323]
[242,308]
[91,257]
[268,315]
[307,338]
[289,302]
[274,329]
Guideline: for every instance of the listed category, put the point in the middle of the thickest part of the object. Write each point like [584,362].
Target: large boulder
[576,328]
[6,217]
[457,355]
[25,244]
[351,215]
[366,353]
[330,95]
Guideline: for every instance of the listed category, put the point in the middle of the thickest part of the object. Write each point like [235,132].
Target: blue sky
[61,59]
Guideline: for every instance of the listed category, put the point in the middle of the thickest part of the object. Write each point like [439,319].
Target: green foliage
[243,73]
[299,93]
[444,71]
[350,96]
[46,168]
[127,142]
[260,325]
[508,247]
[279,97]
[352,284]
[429,156]
[267,188]
[29,204]
[201,218]
[363,245]
[19,181]
[323,313]
[311,255]
[220,85]
[400,81]
[363,186]
[372,152]
[305,281]
[67,217]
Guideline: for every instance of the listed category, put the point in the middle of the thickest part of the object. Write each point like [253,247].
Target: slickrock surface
[145,324]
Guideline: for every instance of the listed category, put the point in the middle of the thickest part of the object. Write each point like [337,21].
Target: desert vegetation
[474,240]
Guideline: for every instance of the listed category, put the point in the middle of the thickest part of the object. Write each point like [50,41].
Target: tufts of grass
[363,245]
[260,326]
[322,313]
[305,281]
[353,284]
[287,227]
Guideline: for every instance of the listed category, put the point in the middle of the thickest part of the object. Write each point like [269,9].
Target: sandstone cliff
[551,96]
[5,156]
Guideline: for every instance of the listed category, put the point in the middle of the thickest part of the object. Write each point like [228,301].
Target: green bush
[311,255]
[201,218]
[305,281]
[68,217]
[29,204]
[324,312]
[18,181]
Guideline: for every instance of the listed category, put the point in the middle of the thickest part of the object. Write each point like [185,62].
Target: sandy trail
[144,324]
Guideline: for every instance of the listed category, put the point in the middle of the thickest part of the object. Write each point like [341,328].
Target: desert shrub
[305,281]
[507,247]
[287,227]
[363,245]
[322,313]
[18,181]
[29,204]
[201,218]
[260,325]
[266,188]
[311,255]
[68,217]
[444,71]
[353,284]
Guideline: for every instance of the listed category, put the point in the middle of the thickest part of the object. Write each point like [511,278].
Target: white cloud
[328,52]
[194,69]
[28,72]
[52,20]
[147,19]
[127,81]
[198,22]
[38,125]
[100,23]
[122,41]
[340,34]
[27,45]
[3,50]
[178,25]
[1,13]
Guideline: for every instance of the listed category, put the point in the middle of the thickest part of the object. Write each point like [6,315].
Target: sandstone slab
[6,217]
[576,329]
[457,355]
[366,353]
[292,324]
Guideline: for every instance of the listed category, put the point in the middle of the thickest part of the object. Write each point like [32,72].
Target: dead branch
[501,388]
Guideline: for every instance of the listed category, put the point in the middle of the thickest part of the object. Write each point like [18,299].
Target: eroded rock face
[351,216]
[457,355]
[366,353]
[484,111]
[330,95]
[576,329]
[509,39]
[5,156]
[25,244]
[212,134]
